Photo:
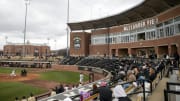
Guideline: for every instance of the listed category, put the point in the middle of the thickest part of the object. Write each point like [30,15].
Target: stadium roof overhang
[146,9]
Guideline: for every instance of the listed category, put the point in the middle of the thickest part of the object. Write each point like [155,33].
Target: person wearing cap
[105,93]
[120,94]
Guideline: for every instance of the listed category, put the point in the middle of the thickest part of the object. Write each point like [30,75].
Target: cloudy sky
[47,18]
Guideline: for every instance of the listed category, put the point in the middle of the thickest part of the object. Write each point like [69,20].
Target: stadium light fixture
[27,2]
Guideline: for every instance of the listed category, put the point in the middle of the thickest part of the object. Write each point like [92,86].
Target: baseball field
[37,81]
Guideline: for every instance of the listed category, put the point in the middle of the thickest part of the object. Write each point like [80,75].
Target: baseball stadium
[129,56]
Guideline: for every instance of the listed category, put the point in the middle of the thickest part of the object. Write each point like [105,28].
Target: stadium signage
[77,42]
[140,24]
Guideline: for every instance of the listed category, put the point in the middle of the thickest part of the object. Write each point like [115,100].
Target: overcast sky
[47,18]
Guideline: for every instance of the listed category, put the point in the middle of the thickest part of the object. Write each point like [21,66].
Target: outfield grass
[10,90]
[62,76]
[8,70]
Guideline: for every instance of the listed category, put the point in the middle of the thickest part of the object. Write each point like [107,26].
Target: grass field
[10,90]
[62,76]
[9,70]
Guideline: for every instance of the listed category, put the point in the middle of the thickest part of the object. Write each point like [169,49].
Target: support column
[178,49]
[147,54]
[157,51]
[130,52]
[117,52]
[169,50]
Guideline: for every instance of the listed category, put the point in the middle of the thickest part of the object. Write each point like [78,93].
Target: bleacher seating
[70,60]
[114,66]
[88,62]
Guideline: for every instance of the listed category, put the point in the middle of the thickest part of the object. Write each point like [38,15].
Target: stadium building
[151,28]
[15,49]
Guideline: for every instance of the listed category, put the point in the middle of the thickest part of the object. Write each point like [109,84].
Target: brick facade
[168,45]
[31,50]
[79,44]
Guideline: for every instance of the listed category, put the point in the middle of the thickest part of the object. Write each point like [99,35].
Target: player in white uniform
[81,77]
[13,73]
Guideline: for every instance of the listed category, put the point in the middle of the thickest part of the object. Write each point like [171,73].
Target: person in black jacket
[176,57]
[61,88]
[105,93]
[152,74]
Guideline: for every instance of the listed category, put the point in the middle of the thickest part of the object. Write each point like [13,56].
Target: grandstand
[140,39]
[134,92]
[151,29]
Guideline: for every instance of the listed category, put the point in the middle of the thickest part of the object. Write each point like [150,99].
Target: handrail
[42,95]
[168,84]
[166,92]
[91,97]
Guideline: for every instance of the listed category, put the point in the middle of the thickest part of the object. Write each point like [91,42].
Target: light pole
[48,40]
[55,51]
[27,2]
[6,39]
[55,44]
[67,52]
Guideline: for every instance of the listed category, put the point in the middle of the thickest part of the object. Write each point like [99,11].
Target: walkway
[158,93]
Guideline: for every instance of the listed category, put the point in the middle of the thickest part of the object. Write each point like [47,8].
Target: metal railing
[143,91]
[168,91]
